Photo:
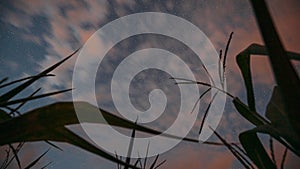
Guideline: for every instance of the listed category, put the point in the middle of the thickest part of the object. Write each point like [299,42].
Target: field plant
[282,117]
[281,121]
[48,123]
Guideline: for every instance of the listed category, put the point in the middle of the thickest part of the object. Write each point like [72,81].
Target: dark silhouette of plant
[281,121]
[142,164]
[47,123]
[282,117]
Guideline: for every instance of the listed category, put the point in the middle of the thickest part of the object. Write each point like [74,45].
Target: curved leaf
[61,114]
[243,61]
[285,74]
[276,114]
[248,114]
[255,150]
[48,123]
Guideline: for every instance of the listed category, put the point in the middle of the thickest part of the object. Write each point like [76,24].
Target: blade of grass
[248,114]
[221,76]
[283,158]
[255,150]
[226,51]
[53,145]
[160,164]
[209,75]
[203,94]
[239,156]
[204,84]
[65,135]
[45,166]
[3,80]
[271,145]
[22,104]
[183,79]
[15,152]
[145,161]
[4,163]
[32,98]
[23,79]
[130,147]
[141,164]
[11,110]
[240,149]
[36,160]
[206,112]
[7,96]
[154,162]
[216,143]
[136,162]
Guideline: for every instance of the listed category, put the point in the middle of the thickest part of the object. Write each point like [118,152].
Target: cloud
[68,33]
[71,23]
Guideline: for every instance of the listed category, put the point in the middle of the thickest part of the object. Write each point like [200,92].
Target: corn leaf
[243,61]
[285,74]
[48,123]
[248,114]
[255,150]
[59,115]
[275,112]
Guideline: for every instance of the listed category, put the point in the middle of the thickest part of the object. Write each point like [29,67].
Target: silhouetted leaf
[235,152]
[32,98]
[3,80]
[8,95]
[23,79]
[15,152]
[206,112]
[275,112]
[15,110]
[36,160]
[248,114]
[263,126]
[61,114]
[243,61]
[283,158]
[285,75]
[48,123]
[255,150]
[270,130]
[130,147]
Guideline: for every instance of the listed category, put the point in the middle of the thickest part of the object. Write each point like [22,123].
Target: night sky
[35,34]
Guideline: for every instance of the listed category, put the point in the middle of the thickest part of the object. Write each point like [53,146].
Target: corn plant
[282,116]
